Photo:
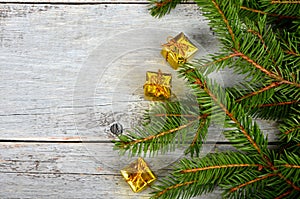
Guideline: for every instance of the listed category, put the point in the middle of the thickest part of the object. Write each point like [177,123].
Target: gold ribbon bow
[179,47]
[157,79]
[157,86]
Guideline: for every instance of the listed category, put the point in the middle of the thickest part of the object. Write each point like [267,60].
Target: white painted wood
[44,48]
[43,51]
[14,185]
[74,1]
[79,158]
[67,170]
[78,1]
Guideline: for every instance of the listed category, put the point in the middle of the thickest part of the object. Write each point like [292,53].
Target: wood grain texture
[72,186]
[80,1]
[42,51]
[79,158]
[45,111]
[68,171]
[76,1]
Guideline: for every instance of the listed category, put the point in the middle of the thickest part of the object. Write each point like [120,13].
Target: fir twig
[159,8]
[262,69]
[284,194]
[279,103]
[167,122]
[221,167]
[160,134]
[235,119]
[252,181]
[272,85]
[266,13]
[266,48]
[285,2]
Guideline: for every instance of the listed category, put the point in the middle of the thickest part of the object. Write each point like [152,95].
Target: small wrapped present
[178,50]
[158,85]
[138,175]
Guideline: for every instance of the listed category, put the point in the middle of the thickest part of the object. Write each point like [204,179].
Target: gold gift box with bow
[138,175]
[178,50]
[157,86]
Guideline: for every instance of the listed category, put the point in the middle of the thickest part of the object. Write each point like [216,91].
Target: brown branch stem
[266,48]
[289,182]
[219,167]
[225,20]
[221,59]
[161,4]
[285,2]
[291,130]
[174,187]
[269,73]
[197,134]
[175,115]
[272,85]
[160,134]
[279,103]
[284,194]
[230,115]
[292,166]
[270,14]
[216,61]
[292,53]
[252,181]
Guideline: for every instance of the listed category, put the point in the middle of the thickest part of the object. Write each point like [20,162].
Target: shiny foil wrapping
[157,85]
[178,50]
[138,175]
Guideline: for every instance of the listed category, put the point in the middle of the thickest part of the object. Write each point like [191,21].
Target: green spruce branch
[171,124]
[260,40]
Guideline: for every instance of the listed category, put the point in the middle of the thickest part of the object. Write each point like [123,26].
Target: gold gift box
[178,50]
[157,86]
[138,175]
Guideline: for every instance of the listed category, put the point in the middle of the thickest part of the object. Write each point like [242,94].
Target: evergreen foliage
[260,39]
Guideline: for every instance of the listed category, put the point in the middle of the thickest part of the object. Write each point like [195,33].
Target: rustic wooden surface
[47,107]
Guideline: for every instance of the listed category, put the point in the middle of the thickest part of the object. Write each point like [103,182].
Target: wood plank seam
[79,3]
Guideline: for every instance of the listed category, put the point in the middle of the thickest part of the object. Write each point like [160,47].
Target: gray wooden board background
[47,106]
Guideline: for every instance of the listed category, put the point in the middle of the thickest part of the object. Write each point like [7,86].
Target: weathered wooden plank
[44,50]
[20,185]
[75,1]
[79,1]
[70,170]
[80,158]
[14,185]
[63,170]
[96,129]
